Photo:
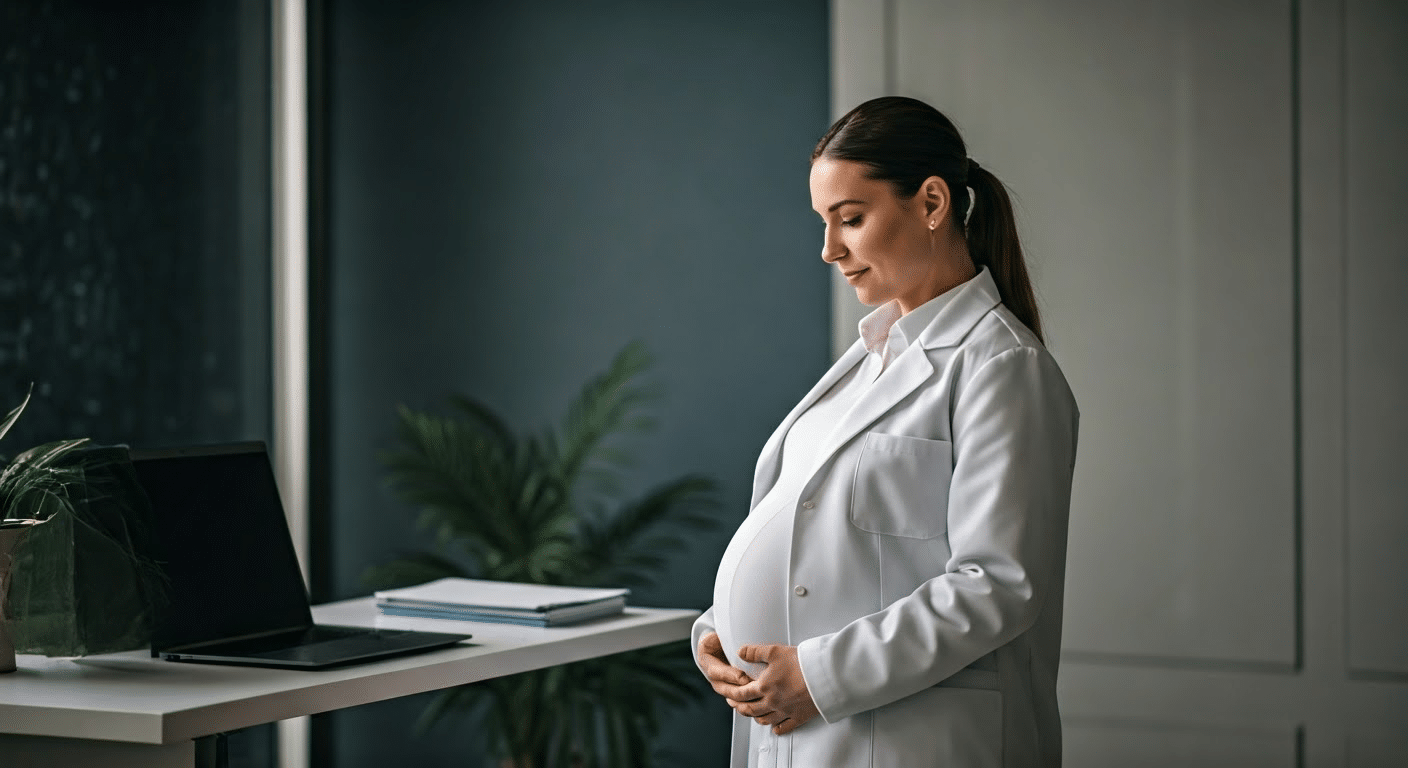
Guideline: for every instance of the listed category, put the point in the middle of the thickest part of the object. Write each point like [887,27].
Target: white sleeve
[702,626]
[1014,439]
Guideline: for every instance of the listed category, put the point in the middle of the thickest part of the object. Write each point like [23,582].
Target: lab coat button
[800,591]
[808,504]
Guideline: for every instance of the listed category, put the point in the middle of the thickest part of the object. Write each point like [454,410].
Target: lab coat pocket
[901,486]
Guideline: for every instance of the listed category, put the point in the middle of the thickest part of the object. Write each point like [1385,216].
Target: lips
[851,276]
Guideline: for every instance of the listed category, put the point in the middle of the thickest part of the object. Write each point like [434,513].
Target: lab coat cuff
[819,677]
[702,626]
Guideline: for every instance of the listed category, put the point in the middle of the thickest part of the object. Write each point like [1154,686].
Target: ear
[934,194]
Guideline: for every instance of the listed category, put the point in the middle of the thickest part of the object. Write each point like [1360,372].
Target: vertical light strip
[290,300]
[290,268]
[862,51]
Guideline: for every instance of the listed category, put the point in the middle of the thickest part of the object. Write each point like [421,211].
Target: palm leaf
[41,459]
[460,699]
[616,548]
[35,485]
[460,481]
[14,415]
[479,415]
[607,404]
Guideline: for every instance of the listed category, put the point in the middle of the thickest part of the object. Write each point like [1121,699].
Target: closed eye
[851,222]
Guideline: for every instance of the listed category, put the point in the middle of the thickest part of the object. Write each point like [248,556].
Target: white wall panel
[1376,364]
[1116,744]
[1149,148]
[1376,747]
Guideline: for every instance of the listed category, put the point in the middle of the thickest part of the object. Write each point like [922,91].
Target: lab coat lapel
[769,463]
[913,367]
[902,377]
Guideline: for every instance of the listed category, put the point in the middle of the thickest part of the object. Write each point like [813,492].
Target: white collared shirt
[885,333]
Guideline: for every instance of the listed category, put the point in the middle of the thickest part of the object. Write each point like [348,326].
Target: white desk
[128,709]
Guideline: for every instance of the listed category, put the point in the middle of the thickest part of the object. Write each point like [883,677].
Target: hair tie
[972,193]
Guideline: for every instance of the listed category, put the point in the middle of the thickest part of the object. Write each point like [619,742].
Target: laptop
[235,594]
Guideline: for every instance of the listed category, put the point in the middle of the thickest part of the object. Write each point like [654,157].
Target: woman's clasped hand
[778,697]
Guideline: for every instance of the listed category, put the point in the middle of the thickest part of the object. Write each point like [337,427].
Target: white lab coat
[932,555]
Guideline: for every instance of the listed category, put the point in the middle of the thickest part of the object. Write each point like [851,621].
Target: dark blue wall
[517,190]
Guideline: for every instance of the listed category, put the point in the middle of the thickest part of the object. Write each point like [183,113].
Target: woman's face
[882,244]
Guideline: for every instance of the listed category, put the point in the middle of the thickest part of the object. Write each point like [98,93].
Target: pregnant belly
[750,592]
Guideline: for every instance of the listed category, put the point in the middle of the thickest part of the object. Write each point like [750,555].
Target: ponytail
[993,243]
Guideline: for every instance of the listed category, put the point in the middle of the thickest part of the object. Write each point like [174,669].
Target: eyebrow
[834,206]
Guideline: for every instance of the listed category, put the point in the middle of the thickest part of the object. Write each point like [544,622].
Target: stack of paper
[534,605]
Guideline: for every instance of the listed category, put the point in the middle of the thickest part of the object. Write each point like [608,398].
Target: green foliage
[37,484]
[546,509]
[76,502]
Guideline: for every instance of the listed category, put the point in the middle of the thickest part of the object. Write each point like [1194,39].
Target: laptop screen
[224,545]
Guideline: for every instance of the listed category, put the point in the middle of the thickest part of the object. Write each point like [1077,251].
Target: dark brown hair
[904,141]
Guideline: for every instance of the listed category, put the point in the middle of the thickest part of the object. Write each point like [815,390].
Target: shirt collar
[876,327]
[914,323]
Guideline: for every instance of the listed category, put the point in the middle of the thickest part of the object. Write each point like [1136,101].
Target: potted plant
[546,509]
[76,576]
[33,488]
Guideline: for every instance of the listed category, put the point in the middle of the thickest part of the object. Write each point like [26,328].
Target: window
[135,221]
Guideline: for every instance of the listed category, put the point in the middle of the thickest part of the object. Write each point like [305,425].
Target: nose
[831,248]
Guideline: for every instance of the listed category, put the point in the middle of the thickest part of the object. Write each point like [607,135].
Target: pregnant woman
[893,598]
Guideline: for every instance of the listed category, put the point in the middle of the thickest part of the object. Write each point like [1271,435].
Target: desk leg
[48,751]
[213,751]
